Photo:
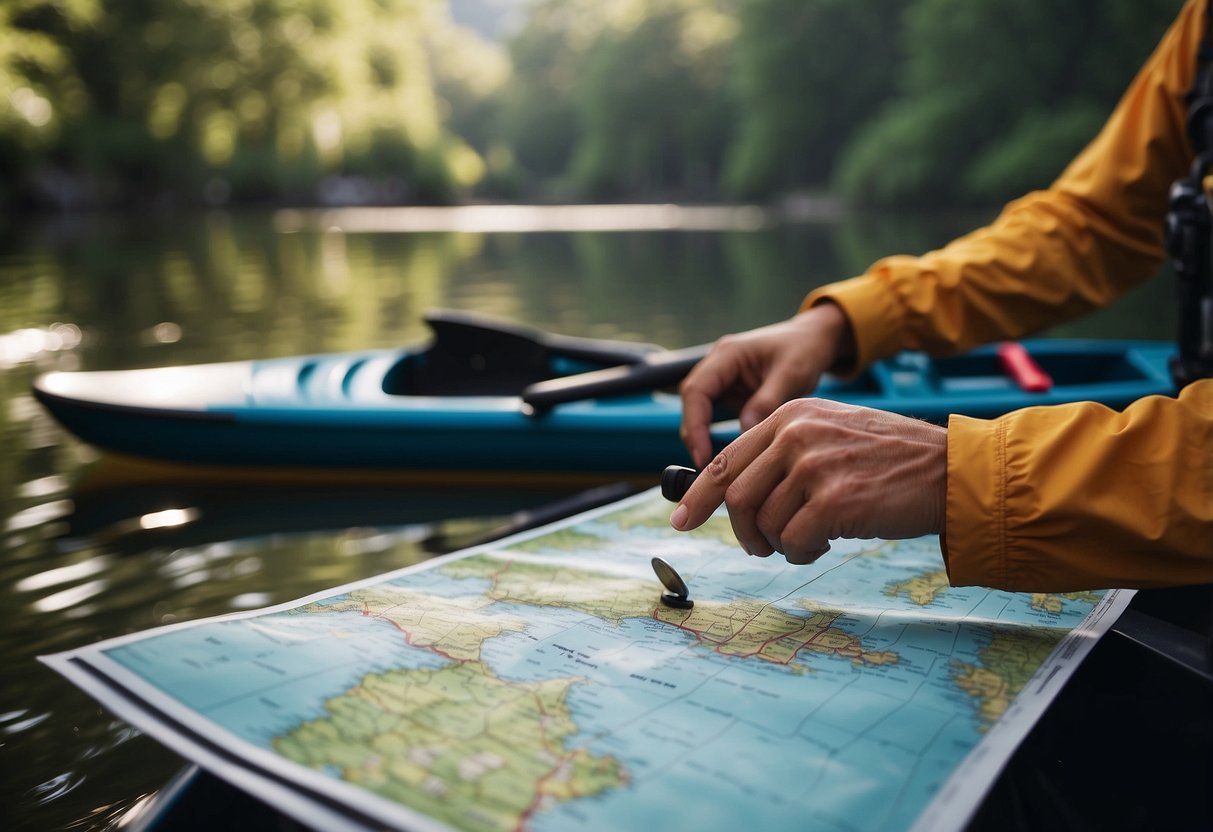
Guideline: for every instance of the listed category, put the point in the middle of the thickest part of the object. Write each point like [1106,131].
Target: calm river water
[78,562]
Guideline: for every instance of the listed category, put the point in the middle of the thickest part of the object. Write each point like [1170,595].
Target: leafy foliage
[889,102]
[649,107]
[808,73]
[996,97]
[248,99]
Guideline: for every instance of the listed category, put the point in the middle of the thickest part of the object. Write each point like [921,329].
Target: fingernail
[745,549]
[679,518]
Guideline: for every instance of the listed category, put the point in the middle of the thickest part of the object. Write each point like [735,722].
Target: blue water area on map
[436,581]
[766,737]
[260,678]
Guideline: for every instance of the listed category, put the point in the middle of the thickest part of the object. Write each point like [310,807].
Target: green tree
[996,97]
[39,87]
[252,98]
[469,77]
[537,117]
[621,97]
[652,107]
[807,73]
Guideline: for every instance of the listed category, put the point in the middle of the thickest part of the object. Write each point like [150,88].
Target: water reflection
[168,518]
[546,219]
[15,722]
[64,574]
[37,515]
[90,553]
[25,345]
[56,787]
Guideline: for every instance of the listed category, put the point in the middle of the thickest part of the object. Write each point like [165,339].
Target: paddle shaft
[653,372]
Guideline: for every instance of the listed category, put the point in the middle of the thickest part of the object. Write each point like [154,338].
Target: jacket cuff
[974,542]
[875,317]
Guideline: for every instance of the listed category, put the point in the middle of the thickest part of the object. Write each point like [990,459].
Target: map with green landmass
[540,684]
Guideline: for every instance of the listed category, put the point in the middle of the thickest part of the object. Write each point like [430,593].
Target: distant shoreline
[521,218]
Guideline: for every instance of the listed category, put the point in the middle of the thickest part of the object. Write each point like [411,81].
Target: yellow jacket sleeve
[1053,499]
[1077,496]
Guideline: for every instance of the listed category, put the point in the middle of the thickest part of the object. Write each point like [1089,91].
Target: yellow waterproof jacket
[1073,496]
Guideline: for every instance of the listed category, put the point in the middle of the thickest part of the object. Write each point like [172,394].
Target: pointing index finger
[708,490]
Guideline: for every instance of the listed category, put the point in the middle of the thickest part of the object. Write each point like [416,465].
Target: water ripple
[64,574]
[56,787]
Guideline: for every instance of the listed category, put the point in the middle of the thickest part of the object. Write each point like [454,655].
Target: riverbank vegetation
[889,103]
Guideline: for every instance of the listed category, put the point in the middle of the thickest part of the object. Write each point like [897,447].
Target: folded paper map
[538,683]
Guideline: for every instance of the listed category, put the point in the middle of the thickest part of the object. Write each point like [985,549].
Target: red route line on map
[757,652]
[408,636]
[561,759]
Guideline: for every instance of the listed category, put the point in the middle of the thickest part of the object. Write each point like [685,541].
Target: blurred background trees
[890,103]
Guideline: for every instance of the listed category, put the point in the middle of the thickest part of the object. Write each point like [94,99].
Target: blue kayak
[483,396]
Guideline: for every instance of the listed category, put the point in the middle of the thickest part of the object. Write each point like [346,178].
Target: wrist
[833,321]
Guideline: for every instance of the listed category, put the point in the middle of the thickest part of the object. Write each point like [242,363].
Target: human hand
[760,370]
[817,470]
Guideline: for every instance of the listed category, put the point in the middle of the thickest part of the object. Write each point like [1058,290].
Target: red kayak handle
[1023,369]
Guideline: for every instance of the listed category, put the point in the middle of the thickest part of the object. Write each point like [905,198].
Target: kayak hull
[336,411]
